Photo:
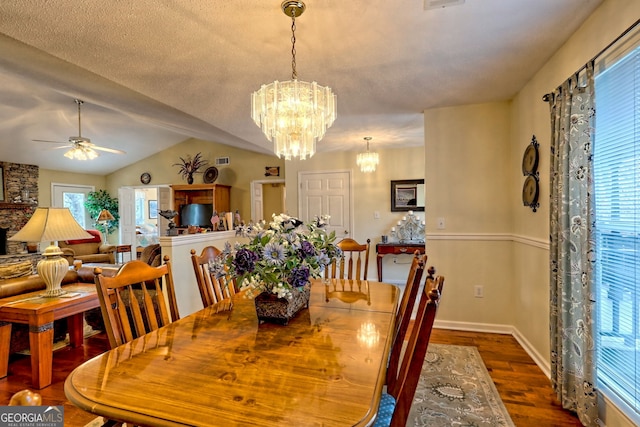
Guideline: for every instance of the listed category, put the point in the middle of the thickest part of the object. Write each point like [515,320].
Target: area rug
[455,389]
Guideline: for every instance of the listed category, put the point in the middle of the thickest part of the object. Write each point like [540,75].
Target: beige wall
[47,177]
[273,197]
[469,186]
[244,167]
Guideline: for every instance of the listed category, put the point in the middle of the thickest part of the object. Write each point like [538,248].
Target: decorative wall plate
[530,192]
[530,158]
[145,178]
[210,175]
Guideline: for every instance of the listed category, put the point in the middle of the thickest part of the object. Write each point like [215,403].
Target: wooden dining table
[326,367]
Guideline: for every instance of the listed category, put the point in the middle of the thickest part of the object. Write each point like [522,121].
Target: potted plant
[189,166]
[95,203]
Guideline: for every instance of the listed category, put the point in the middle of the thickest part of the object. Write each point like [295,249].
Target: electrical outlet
[478,291]
[441,223]
[376,215]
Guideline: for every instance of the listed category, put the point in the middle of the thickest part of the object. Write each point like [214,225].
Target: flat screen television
[196,214]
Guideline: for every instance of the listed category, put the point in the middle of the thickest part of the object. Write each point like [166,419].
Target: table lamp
[51,224]
[103,218]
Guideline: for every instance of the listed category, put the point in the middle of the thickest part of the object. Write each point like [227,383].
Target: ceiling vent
[222,161]
[439,4]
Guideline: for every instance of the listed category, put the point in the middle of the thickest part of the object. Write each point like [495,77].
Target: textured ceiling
[155,72]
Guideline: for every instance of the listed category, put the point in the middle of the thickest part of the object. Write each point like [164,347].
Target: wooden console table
[396,248]
[39,313]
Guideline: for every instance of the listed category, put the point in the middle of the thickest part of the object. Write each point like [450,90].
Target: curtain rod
[547,97]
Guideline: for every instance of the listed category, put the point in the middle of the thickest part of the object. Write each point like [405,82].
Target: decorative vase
[270,308]
[190,178]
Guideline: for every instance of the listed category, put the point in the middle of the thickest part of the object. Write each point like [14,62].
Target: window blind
[617,211]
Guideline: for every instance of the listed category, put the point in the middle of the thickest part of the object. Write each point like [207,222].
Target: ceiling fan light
[91,153]
[81,153]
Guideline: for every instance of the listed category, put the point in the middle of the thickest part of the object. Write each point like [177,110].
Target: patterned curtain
[572,317]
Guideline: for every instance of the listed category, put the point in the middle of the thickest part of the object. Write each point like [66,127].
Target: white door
[73,197]
[127,212]
[164,203]
[327,193]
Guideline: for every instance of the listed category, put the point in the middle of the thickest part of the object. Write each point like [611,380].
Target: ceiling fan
[81,148]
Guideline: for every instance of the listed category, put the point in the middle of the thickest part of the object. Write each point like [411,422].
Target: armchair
[88,250]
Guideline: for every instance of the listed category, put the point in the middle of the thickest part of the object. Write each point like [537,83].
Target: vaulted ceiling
[153,73]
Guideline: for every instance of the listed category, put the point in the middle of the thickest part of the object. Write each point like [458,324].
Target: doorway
[140,224]
[268,197]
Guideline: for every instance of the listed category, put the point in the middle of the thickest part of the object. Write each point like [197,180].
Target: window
[617,211]
[73,197]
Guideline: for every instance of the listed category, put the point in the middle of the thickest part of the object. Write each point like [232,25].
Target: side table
[39,313]
[120,250]
[396,248]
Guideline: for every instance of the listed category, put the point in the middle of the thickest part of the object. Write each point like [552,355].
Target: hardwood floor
[524,389]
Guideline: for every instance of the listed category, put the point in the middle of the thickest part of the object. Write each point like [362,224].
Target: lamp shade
[105,215]
[51,224]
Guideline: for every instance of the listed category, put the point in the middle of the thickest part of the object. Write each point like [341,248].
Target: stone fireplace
[17,179]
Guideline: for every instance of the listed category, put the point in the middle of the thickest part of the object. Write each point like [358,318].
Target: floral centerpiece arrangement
[281,256]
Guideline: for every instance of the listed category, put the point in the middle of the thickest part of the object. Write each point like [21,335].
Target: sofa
[88,250]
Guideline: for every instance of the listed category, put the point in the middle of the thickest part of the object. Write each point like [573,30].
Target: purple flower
[299,276]
[245,261]
[307,249]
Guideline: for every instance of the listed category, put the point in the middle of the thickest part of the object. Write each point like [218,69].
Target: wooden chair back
[414,354]
[133,301]
[348,291]
[212,288]
[354,262]
[403,316]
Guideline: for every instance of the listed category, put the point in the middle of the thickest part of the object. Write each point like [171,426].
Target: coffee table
[39,313]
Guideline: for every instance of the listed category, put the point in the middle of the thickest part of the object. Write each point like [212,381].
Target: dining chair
[133,302]
[403,315]
[395,404]
[354,255]
[212,288]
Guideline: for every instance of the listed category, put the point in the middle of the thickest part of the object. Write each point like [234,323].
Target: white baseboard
[498,329]
[533,353]
[474,327]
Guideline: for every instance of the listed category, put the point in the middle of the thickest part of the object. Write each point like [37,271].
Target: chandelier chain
[294,73]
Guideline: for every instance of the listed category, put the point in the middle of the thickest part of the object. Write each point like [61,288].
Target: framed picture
[272,171]
[153,209]
[407,195]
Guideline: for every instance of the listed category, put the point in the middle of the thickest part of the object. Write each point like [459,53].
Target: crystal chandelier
[294,114]
[368,160]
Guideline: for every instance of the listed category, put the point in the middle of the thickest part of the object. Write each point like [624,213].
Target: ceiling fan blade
[108,150]
[46,140]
